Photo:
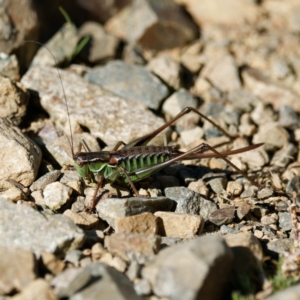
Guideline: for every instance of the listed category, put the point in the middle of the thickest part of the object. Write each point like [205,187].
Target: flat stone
[56,195]
[159,26]
[288,118]
[285,221]
[23,167]
[179,225]
[223,73]
[112,208]
[113,123]
[12,277]
[265,193]
[127,245]
[167,69]
[222,216]
[188,202]
[43,181]
[130,82]
[199,262]
[217,181]
[36,290]
[145,223]
[82,219]
[280,246]
[234,188]
[243,210]
[58,234]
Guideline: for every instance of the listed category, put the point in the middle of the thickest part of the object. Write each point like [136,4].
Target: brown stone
[179,225]
[145,223]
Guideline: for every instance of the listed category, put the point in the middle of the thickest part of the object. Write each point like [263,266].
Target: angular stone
[56,195]
[234,188]
[82,219]
[13,100]
[52,263]
[167,69]
[113,208]
[56,47]
[111,123]
[285,221]
[222,216]
[43,181]
[188,202]
[159,26]
[57,233]
[12,277]
[291,293]
[128,246]
[223,73]
[130,82]
[23,167]
[145,223]
[102,46]
[187,270]
[179,225]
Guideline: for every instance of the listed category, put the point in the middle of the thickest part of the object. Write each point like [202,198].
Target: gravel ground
[199,229]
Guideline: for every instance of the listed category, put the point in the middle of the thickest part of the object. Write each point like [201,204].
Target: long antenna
[65,97]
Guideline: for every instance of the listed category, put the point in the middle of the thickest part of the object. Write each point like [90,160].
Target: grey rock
[160,26]
[242,100]
[23,167]
[103,45]
[142,287]
[285,221]
[174,104]
[48,178]
[199,263]
[227,230]
[291,293]
[33,231]
[133,270]
[217,181]
[9,66]
[58,48]
[189,202]
[12,277]
[280,68]
[70,281]
[74,257]
[250,192]
[106,283]
[294,186]
[130,82]
[288,118]
[222,216]
[265,193]
[280,246]
[111,123]
[70,176]
[112,208]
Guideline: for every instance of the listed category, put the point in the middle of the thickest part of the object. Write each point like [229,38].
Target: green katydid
[136,161]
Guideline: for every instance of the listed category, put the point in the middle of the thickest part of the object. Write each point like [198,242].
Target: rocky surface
[192,230]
